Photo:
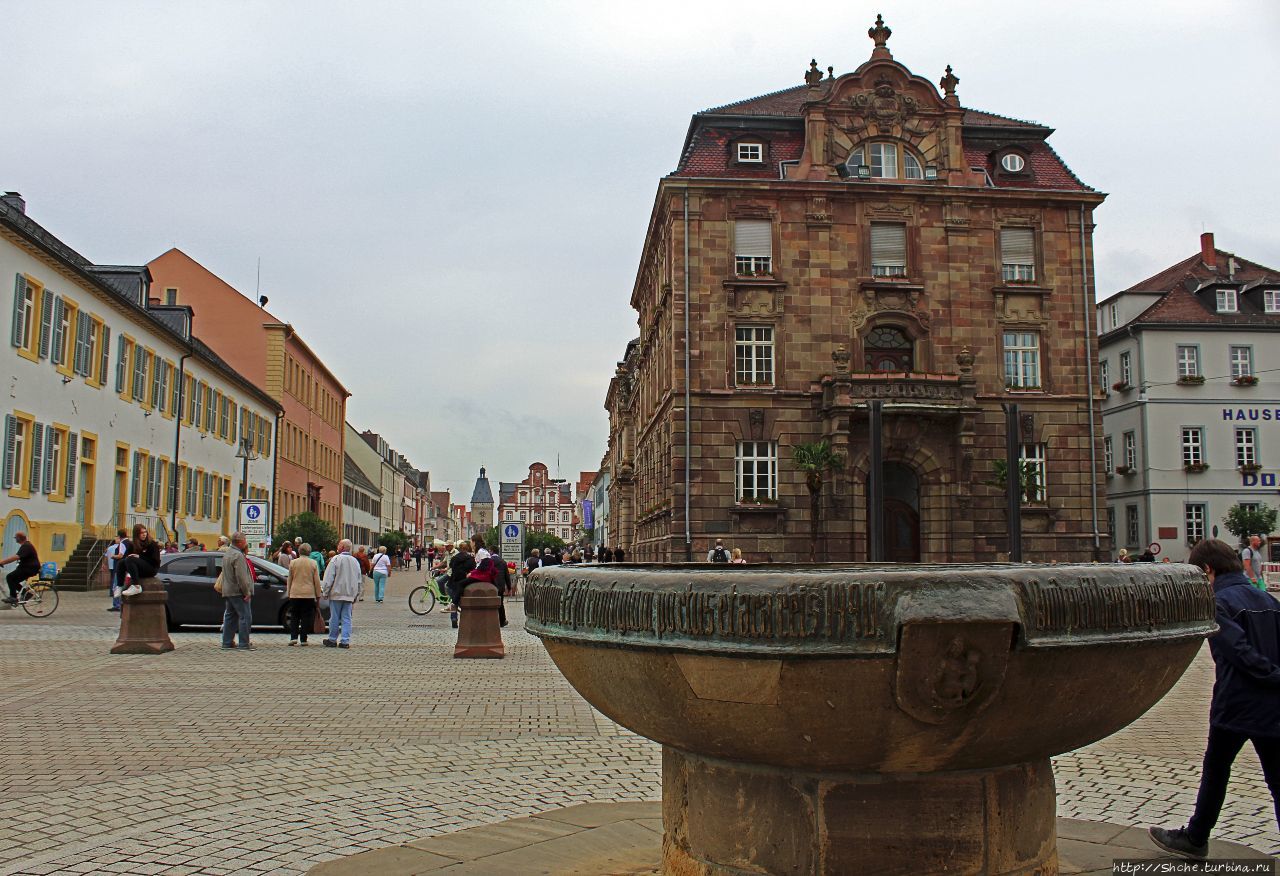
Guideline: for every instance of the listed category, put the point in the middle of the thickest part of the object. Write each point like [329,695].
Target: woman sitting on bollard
[487,572]
[143,560]
[459,567]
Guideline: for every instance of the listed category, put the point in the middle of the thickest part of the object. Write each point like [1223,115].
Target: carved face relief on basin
[891,669]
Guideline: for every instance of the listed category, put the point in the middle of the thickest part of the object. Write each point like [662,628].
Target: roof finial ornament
[880,33]
[949,83]
[831,72]
[813,75]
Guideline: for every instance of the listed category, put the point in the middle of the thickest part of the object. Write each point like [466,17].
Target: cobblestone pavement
[200,761]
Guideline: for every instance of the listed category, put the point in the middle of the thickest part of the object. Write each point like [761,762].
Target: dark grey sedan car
[188,578]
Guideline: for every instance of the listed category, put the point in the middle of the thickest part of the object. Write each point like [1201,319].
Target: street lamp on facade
[245,452]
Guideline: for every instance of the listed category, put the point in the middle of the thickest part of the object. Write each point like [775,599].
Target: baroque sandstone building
[855,238]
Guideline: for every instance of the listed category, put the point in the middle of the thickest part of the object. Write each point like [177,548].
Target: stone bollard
[478,630]
[144,628]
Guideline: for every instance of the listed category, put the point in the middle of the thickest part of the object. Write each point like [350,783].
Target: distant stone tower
[482,504]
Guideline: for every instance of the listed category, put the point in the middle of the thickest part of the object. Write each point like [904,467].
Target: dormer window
[1271,301]
[885,161]
[751,153]
[1227,301]
[1012,162]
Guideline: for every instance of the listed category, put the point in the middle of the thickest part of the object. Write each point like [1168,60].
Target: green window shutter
[49,474]
[175,389]
[46,323]
[139,373]
[106,356]
[73,446]
[150,500]
[37,456]
[58,353]
[19,331]
[10,440]
[122,352]
[82,343]
[135,483]
[156,398]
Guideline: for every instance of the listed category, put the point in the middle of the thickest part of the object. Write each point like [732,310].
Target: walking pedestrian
[343,582]
[502,581]
[142,560]
[619,555]
[606,554]
[115,553]
[237,594]
[381,572]
[304,595]
[1246,694]
[534,561]
[1251,556]
[737,556]
[719,553]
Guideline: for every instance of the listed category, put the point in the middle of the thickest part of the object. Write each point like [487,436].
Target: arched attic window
[887,160]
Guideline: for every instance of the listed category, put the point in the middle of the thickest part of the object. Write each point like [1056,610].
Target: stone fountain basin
[881,669]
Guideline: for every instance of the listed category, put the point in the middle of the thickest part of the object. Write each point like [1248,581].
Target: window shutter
[59,336]
[139,373]
[156,365]
[135,482]
[37,456]
[10,439]
[753,237]
[175,390]
[106,356]
[888,244]
[49,473]
[122,353]
[19,309]
[46,323]
[85,325]
[1017,246]
[73,447]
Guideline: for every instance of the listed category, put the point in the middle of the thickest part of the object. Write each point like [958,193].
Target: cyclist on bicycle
[28,567]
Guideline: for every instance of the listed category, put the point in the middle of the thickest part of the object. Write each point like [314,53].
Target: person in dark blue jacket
[1246,693]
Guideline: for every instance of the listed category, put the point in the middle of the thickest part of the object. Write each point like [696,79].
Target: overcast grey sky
[449,199]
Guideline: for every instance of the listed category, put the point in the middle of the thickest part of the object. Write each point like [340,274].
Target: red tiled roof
[1048,171]
[979,118]
[708,154]
[1180,304]
[786,102]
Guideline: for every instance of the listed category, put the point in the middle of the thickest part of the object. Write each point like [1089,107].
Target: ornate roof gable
[882,99]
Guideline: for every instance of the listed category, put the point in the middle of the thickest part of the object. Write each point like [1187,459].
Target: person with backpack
[1251,557]
[719,553]
[1245,706]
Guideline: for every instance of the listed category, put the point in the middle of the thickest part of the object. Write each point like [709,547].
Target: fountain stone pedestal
[861,719]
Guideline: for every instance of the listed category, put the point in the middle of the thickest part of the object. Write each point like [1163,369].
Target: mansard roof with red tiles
[1190,291]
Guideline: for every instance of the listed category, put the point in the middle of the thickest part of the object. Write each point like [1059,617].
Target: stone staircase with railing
[81,569]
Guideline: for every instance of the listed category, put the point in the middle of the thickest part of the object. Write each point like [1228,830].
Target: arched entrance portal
[901,513]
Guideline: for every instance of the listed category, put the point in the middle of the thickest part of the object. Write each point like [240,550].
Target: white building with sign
[116,413]
[1190,364]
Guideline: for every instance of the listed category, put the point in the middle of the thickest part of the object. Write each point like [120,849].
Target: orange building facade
[309,434]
